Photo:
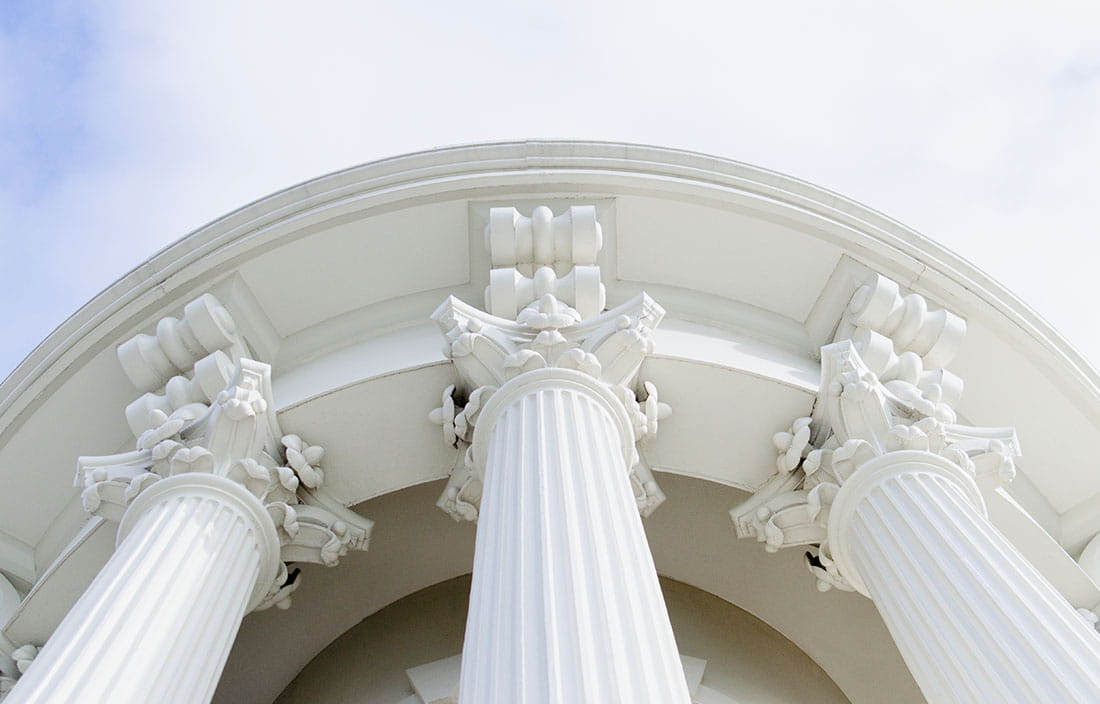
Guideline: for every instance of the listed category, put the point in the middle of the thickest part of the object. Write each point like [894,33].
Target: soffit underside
[334,291]
[691,543]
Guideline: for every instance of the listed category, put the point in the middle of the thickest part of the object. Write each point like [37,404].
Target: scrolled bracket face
[867,410]
[546,307]
[205,327]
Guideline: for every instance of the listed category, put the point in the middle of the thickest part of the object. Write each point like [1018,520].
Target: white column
[195,553]
[972,617]
[565,606]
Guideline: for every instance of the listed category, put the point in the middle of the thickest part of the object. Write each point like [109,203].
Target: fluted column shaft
[157,623]
[974,620]
[565,606]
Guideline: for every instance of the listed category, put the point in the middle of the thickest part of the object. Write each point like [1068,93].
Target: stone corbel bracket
[878,306]
[858,416]
[546,303]
[543,254]
[567,240]
[205,327]
[905,345]
[238,437]
[183,366]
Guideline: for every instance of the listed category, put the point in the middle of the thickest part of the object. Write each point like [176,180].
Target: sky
[125,125]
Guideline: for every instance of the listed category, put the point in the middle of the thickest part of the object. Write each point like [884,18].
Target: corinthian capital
[546,306]
[865,410]
[234,435]
[488,351]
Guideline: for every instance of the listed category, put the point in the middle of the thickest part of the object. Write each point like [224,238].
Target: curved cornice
[719,370]
[191,259]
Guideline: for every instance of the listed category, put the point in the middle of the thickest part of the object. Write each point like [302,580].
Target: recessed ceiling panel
[357,263]
[737,255]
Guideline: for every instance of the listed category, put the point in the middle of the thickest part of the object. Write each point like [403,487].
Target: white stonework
[973,619]
[285,358]
[212,504]
[489,351]
[877,395]
[158,621]
[883,483]
[564,588]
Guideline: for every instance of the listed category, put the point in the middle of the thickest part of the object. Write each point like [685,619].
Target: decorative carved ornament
[881,391]
[21,659]
[218,417]
[546,310]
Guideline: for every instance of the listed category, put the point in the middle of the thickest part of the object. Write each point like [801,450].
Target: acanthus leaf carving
[282,587]
[21,658]
[625,345]
[236,436]
[184,400]
[544,313]
[647,493]
[109,483]
[864,410]
[462,495]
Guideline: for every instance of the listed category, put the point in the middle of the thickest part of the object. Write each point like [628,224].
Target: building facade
[551,422]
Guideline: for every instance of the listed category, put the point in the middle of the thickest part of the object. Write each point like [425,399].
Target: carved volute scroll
[543,254]
[205,327]
[216,416]
[883,389]
[546,310]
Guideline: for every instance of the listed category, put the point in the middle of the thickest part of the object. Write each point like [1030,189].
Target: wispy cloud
[123,125]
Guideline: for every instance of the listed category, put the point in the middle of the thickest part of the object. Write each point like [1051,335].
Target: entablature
[332,283]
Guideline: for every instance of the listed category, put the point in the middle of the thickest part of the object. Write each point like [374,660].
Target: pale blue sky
[124,125]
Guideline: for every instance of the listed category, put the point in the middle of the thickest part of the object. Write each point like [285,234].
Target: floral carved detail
[865,410]
[488,351]
[647,493]
[155,416]
[856,419]
[237,437]
[21,657]
[546,306]
[906,345]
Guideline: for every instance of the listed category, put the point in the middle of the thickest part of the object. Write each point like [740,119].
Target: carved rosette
[487,351]
[865,410]
[220,420]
